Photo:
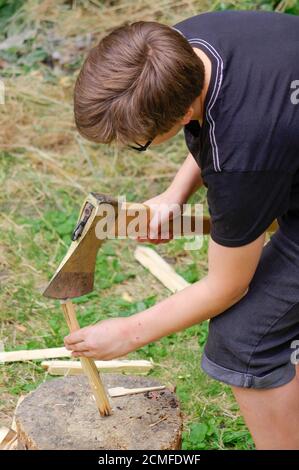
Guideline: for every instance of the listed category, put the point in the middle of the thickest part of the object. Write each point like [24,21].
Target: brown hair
[136,84]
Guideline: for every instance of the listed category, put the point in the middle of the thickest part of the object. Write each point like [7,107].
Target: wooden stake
[88,365]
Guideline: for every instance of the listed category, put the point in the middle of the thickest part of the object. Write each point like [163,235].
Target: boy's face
[161,138]
[168,135]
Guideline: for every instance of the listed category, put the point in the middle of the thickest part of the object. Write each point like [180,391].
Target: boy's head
[137,84]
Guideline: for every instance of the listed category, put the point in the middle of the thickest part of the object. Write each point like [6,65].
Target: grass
[46,170]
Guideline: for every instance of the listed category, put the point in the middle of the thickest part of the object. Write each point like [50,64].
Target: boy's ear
[188,116]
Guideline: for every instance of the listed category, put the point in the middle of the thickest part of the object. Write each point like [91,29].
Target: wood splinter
[88,365]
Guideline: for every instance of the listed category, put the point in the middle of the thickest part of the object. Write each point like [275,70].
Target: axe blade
[75,274]
[68,285]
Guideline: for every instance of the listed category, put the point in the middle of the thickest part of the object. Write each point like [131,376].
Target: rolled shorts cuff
[276,378]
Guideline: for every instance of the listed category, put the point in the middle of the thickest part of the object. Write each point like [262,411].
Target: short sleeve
[192,139]
[242,205]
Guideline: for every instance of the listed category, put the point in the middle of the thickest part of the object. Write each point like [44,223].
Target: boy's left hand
[106,340]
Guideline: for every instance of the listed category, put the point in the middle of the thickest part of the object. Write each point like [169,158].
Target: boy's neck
[200,100]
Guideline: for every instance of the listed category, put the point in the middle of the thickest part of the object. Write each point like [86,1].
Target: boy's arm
[187,180]
[227,281]
[230,273]
[185,183]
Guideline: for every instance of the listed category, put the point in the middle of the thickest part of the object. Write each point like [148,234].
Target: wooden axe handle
[189,222]
[183,224]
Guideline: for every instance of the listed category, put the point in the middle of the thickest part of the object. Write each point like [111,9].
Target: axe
[102,217]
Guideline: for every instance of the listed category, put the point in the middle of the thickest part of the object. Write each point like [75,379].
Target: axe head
[68,285]
[75,274]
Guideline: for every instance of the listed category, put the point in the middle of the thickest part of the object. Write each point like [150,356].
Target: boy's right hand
[164,207]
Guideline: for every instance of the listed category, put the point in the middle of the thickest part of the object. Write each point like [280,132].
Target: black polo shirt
[248,145]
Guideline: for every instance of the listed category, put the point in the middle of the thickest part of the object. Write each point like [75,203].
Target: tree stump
[62,414]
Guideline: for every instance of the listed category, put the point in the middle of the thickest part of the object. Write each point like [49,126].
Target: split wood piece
[33,354]
[157,266]
[88,365]
[4,430]
[123,391]
[13,424]
[7,438]
[75,367]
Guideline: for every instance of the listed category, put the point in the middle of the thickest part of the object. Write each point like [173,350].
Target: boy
[229,79]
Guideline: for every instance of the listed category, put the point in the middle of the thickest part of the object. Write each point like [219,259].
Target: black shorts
[252,344]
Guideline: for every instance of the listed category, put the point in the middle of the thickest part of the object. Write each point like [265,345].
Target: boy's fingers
[78,347]
[82,354]
[73,346]
[74,338]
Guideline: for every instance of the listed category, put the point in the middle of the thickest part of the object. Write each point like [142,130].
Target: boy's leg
[272,415]
[249,346]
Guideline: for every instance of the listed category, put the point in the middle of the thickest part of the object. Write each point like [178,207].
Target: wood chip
[122,391]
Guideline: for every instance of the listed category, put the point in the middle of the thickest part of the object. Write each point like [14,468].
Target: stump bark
[62,414]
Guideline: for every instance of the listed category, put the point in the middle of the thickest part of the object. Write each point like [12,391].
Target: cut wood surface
[75,367]
[157,266]
[61,414]
[33,354]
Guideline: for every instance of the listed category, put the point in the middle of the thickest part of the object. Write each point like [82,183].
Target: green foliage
[32,59]
[190,273]
[291,6]
[205,435]
[197,435]
[7,9]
